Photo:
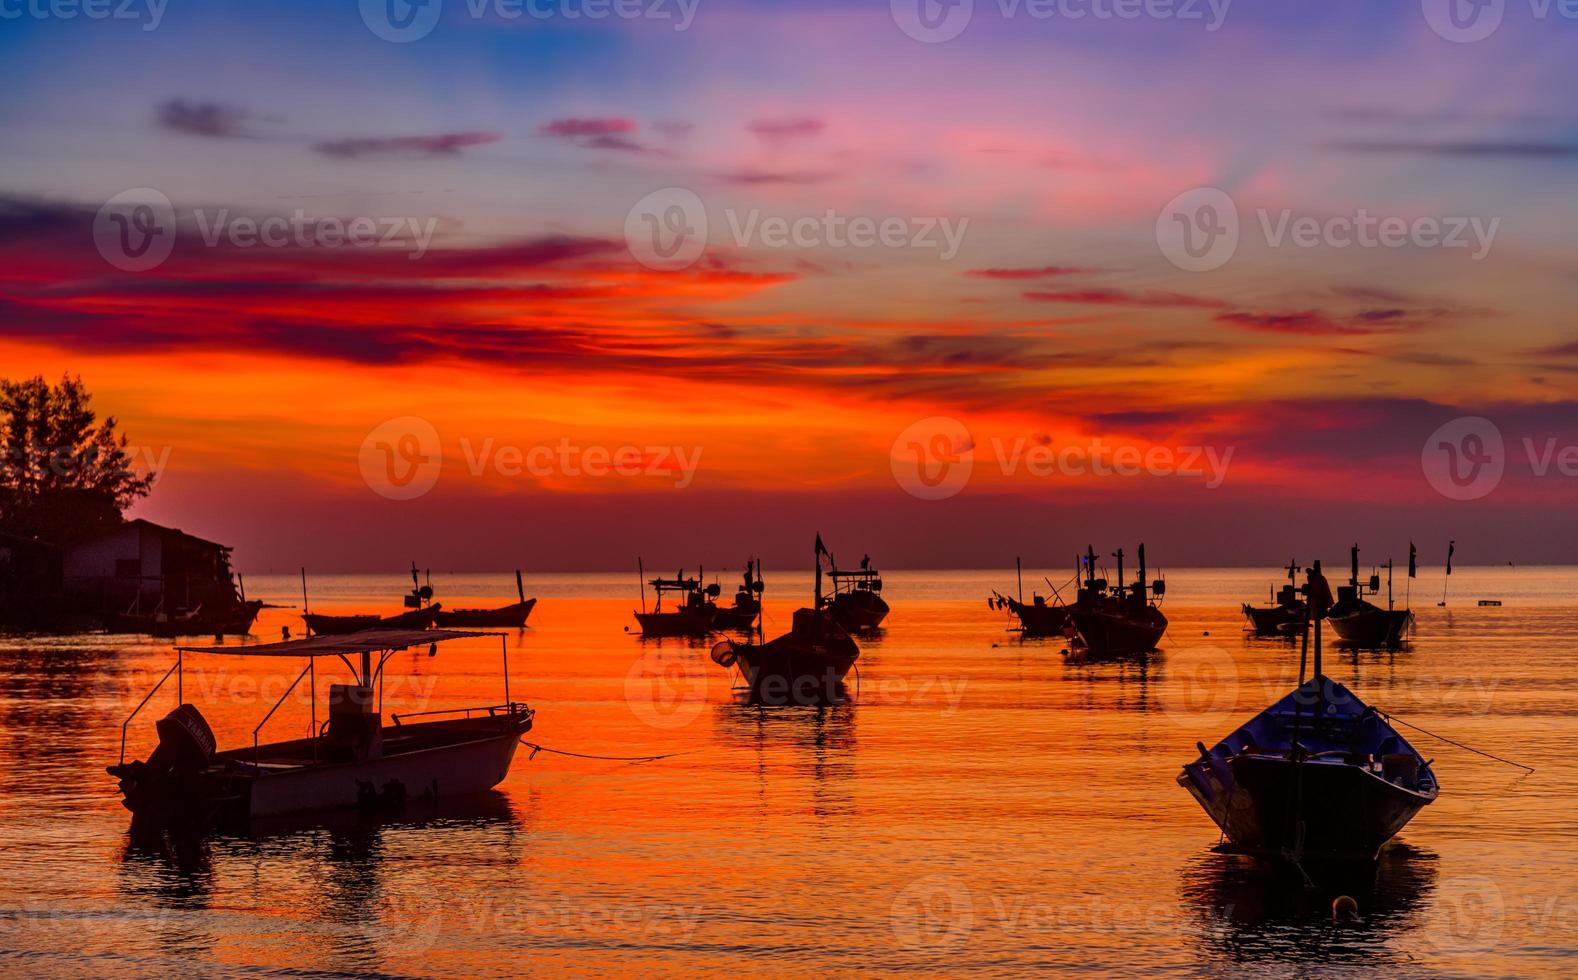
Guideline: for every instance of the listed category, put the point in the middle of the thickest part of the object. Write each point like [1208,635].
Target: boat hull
[859,612]
[1315,810]
[423,761]
[1042,620]
[512,616]
[416,619]
[1113,634]
[806,666]
[697,621]
[1273,620]
[737,617]
[1317,776]
[1372,626]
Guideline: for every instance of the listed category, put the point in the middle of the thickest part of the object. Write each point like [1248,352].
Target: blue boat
[1319,776]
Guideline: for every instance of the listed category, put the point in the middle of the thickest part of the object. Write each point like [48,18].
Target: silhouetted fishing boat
[419,615]
[692,613]
[747,601]
[1120,621]
[1286,611]
[417,619]
[1360,623]
[227,612]
[857,602]
[512,616]
[1318,776]
[807,665]
[1037,617]
[354,760]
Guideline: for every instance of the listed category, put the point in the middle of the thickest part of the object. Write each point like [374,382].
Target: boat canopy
[367,641]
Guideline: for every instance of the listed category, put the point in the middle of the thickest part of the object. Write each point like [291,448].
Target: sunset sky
[512,308]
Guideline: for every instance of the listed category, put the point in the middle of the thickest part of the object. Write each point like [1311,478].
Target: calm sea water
[983,807]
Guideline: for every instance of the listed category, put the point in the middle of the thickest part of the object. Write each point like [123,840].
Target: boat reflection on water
[1253,912]
[373,879]
[816,742]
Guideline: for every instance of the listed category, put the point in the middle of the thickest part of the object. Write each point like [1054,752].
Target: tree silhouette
[62,477]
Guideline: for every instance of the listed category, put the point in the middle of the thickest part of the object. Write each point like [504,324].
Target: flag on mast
[1451,547]
[1413,561]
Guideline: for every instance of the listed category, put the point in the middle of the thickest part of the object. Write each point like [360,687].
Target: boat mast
[1141,583]
[641,579]
[1090,566]
[1353,578]
[1119,555]
[1020,572]
[1315,576]
[816,558]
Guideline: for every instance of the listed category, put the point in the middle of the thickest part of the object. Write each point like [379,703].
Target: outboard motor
[168,783]
[186,743]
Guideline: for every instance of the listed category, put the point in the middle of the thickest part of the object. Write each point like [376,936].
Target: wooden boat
[1121,621]
[1037,618]
[1359,623]
[857,604]
[1318,776]
[225,612]
[416,619]
[419,614]
[691,614]
[355,760]
[747,608]
[807,665]
[236,621]
[512,616]
[1286,610]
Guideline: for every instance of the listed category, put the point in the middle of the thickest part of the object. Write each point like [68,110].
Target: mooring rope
[535,748]
[1460,745]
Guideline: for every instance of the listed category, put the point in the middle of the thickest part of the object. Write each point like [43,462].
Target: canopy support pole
[504,651]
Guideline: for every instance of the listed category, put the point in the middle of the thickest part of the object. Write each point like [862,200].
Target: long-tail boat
[857,602]
[1121,620]
[747,601]
[1360,623]
[512,616]
[807,665]
[1037,618]
[421,612]
[691,613]
[353,760]
[1286,611]
[1319,776]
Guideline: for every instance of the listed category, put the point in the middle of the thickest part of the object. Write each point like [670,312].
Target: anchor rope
[535,748]
[1460,745]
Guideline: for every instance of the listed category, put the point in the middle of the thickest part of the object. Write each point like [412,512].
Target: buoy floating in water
[1344,909]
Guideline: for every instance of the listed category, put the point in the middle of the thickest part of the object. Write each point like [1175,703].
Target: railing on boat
[314,687]
[512,708]
[179,685]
